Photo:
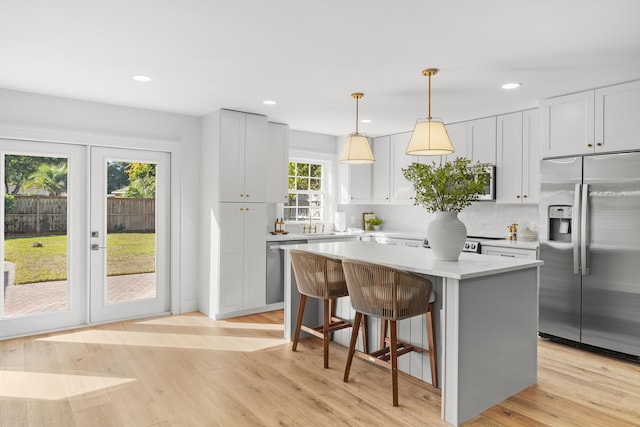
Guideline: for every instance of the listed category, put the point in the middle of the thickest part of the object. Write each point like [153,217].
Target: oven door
[490,189]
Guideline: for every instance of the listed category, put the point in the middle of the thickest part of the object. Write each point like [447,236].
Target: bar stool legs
[330,323]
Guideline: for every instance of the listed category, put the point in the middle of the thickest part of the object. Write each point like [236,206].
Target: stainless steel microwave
[490,189]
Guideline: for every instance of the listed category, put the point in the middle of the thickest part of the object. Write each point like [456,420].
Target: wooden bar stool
[321,277]
[391,295]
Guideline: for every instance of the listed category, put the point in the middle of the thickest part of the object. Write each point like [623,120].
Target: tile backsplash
[486,219]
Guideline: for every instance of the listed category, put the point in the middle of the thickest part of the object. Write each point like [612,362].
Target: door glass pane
[35,235]
[131,231]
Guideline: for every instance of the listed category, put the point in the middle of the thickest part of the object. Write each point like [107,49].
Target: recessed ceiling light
[511,85]
[365,121]
[269,102]
[141,78]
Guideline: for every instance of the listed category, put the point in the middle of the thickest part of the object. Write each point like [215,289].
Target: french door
[43,239]
[129,232]
[85,237]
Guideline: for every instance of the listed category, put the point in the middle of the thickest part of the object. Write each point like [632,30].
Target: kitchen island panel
[486,320]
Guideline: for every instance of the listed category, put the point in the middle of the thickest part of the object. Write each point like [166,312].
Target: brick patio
[52,296]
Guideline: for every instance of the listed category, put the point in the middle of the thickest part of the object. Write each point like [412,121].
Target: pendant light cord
[357,99]
[429,107]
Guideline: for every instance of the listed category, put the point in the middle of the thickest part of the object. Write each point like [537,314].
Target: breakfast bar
[486,319]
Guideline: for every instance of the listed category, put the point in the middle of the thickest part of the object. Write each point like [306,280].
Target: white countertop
[311,236]
[420,260]
[503,243]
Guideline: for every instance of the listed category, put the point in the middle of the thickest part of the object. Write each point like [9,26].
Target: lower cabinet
[509,252]
[242,256]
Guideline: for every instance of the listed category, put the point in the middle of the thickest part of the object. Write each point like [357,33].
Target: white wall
[53,118]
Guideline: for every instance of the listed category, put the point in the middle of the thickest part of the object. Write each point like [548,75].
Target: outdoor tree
[18,169]
[117,176]
[142,180]
[51,178]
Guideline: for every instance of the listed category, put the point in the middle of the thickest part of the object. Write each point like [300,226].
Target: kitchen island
[487,323]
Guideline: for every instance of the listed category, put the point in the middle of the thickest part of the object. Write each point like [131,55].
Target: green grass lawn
[128,253]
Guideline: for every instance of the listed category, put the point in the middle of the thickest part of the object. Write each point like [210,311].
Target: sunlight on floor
[44,386]
[202,321]
[199,342]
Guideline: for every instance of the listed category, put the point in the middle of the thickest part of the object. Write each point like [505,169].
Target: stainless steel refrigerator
[590,243]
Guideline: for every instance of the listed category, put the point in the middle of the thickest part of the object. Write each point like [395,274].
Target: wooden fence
[48,215]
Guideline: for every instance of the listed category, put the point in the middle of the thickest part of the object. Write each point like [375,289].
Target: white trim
[330,179]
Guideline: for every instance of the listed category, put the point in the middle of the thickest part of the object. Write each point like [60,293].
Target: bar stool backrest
[318,276]
[386,292]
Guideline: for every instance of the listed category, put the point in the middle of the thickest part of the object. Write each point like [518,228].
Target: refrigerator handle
[575,229]
[584,229]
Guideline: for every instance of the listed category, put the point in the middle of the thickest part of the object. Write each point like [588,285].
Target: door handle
[95,247]
[575,229]
[584,229]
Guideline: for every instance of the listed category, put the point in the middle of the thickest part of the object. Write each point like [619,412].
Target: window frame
[324,189]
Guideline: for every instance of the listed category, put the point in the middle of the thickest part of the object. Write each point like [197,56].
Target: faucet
[311,228]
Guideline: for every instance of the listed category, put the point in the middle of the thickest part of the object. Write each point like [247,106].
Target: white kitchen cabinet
[458,136]
[474,140]
[242,257]
[568,125]
[359,184]
[380,174]
[518,165]
[595,121]
[243,150]
[481,137]
[402,191]
[509,252]
[617,109]
[277,163]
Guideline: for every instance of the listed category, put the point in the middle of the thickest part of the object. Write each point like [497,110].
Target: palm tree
[48,177]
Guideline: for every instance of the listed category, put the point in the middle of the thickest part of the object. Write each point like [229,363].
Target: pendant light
[356,149]
[429,137]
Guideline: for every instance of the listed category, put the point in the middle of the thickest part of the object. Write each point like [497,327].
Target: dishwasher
[275,269]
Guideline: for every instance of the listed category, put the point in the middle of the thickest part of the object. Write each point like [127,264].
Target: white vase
[446,235]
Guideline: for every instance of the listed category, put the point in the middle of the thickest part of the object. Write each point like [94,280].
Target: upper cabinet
[402,191]
[617,126]
[518,157]
[474,139]
[567,125]
[380,175]
[594,121]
[458,136]
[481,137]
[243,150]
[359,184]
[277,162]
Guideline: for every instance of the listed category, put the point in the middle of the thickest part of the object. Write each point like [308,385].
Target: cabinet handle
[599,144]
[386,198]
[525,196]
[518,196]
[246,195]
[510,256]
[246,209]
[242,195]
[241,209]
[589,145]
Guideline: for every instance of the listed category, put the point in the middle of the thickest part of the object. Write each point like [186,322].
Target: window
[306,195]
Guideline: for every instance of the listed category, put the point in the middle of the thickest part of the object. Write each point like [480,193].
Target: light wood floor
[189,370]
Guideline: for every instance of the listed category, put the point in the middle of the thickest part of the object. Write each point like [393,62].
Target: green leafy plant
[374,221]
[9,203]
[449,187]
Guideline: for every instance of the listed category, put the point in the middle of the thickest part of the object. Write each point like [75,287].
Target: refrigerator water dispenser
[560,223]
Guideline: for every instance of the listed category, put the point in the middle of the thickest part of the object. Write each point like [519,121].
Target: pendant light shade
[356,149]
[429,137]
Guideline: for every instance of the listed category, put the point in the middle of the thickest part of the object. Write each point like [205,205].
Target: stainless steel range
[470,245]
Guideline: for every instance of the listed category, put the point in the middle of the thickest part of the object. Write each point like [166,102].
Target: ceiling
[309,56]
